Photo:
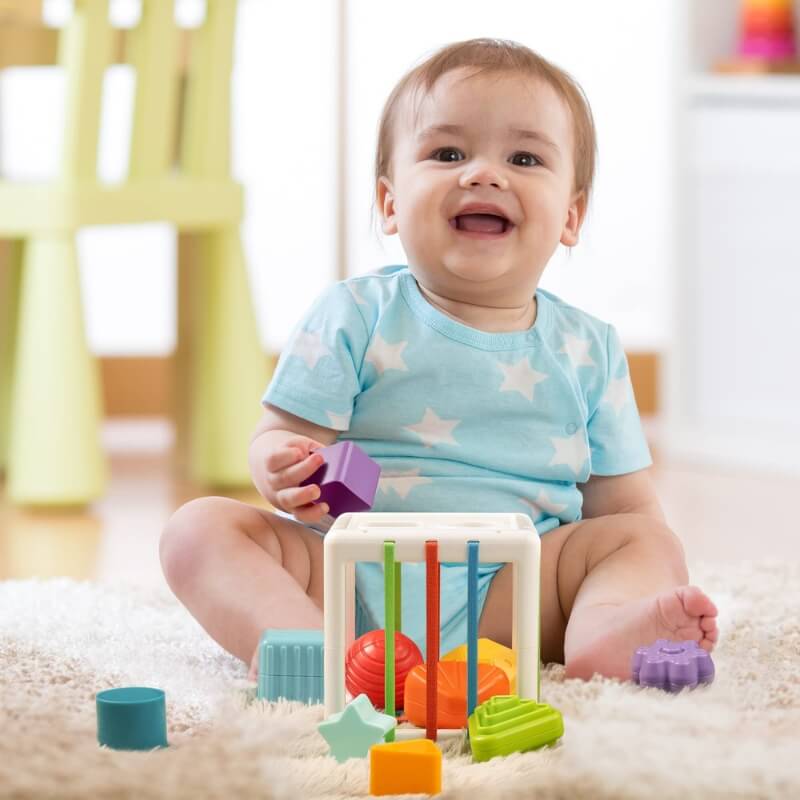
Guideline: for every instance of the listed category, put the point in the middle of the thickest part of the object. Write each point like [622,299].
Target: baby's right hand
[287,467]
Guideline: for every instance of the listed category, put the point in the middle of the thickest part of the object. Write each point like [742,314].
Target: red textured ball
[364,666]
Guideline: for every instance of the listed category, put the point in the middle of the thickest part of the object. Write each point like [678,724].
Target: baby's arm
[632,493]
[282,455]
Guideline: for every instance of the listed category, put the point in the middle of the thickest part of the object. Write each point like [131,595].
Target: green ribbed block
[505,724]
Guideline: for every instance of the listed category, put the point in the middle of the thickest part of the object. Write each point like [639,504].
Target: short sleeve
[317,376]
[616,439]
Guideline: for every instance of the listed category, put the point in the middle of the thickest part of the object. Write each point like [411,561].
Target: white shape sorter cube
[356,537]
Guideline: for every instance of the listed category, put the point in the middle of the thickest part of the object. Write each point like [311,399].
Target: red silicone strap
[432,635]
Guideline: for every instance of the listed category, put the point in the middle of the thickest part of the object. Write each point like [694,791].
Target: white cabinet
[734,367]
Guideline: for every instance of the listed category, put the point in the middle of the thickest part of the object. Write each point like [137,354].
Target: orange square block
[413,767]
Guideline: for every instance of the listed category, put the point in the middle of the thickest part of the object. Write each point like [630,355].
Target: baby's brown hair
[494,56]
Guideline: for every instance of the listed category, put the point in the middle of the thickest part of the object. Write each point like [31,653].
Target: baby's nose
[483,174]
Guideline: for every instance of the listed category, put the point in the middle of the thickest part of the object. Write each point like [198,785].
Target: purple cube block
[672,666]
[347,480]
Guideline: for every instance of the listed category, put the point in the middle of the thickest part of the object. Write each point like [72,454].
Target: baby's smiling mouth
[481,224]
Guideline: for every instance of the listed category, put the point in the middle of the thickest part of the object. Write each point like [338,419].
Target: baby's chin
[465,281]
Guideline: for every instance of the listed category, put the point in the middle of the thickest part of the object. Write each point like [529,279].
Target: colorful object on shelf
[490,652]
[451,697]
[413,767]
[132,718]
[364,665]
[767,30]
[504,725]
[352,732]
[672,666]
[347,480]
[290,665]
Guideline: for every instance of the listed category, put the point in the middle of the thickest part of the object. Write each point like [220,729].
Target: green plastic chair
[50,402]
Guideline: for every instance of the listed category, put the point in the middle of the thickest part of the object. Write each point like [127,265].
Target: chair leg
[188,270]
[229,371]
[10,263]
[54,451]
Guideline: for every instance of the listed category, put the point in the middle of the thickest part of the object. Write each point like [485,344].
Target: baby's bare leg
[240,569]
[609,584]
[495,622]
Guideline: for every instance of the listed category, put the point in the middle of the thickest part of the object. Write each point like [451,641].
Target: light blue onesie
[460,419]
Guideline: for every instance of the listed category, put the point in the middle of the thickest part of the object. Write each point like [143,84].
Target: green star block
[505,724]
[352,732]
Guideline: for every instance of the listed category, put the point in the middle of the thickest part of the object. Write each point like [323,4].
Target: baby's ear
[385,194]
[575,216]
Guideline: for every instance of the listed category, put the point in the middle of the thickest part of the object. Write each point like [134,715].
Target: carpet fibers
[62,641]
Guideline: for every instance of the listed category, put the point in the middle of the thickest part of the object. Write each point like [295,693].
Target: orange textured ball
[364,666]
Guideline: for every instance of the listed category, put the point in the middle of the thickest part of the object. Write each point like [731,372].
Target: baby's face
[481,186]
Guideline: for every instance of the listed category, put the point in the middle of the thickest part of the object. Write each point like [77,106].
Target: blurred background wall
[691,246]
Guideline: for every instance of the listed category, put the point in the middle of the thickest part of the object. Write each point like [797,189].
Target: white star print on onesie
[577,350]
[571,451]
[386,356]
[618,394]
[432,429]
[520,377]
[308,346]
[401,482]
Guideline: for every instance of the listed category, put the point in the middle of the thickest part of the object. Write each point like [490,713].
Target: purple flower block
[672,666]
[347,480]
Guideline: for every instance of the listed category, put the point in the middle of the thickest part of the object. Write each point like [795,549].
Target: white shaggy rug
[62,641]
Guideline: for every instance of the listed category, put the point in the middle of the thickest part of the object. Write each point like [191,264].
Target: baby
[471,387]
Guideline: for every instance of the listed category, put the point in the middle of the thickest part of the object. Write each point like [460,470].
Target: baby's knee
[661,541]
[187,536]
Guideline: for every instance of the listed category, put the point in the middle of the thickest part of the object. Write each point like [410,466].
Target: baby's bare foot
[601,639]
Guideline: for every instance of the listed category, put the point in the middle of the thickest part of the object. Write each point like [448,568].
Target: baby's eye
[525,160]
[447,154]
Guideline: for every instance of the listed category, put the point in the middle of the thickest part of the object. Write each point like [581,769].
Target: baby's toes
[697,603]
[710,632]
[708,624]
